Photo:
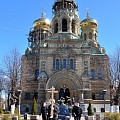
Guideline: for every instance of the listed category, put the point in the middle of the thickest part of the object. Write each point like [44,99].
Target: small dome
[88,19]
[42,21]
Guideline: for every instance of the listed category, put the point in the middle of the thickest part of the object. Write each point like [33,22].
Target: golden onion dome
[42,22]
[89,20]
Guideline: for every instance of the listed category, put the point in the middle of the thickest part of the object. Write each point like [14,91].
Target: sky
[17,17]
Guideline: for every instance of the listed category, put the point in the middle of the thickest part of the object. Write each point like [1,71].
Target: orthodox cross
[52,98]
[43,13]
[87,9]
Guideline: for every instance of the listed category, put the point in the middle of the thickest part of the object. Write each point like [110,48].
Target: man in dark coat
[44,111]
[55,109]
[76,111]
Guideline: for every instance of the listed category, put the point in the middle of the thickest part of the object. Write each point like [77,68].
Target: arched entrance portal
[67,84]
[64,93]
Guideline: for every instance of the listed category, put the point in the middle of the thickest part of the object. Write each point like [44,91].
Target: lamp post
[104,91]
[9,91]
[19,100]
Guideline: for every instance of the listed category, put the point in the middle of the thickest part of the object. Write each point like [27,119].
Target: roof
[89,19]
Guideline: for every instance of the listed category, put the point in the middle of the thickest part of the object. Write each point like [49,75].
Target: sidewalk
[82,118]
[40,117]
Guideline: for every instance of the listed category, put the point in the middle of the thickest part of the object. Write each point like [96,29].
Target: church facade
[65,53]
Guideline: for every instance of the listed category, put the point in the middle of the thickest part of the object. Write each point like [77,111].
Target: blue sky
[17,17]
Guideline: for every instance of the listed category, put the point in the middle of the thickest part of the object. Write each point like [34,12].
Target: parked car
[64,113]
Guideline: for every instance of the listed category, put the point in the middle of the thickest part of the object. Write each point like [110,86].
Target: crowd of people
[46,111]
[50,110]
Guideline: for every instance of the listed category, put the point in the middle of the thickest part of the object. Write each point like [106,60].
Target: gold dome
[42,22]
[89,20]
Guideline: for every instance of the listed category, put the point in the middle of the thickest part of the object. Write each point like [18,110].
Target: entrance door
[61,93]
[67,95]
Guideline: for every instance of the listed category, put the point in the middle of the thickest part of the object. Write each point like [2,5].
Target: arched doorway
[67,95]
[61,93]
[64,93]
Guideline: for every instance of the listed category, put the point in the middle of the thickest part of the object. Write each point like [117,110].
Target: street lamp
[19,100]
[104,91]
[9,92]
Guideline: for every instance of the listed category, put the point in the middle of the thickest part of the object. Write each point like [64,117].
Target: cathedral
[65,54]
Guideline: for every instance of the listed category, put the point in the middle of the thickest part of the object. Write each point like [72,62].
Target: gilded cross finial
[43,13]
[88,14]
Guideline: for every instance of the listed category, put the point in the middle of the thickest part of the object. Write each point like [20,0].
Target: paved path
[40,118]
[82,118]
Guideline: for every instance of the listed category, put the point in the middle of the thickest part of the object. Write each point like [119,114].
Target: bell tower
[65,18]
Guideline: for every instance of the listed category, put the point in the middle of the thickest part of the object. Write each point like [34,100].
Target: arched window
[36,74]
[56,28]
[64,63]
[27,96]
[99,75]
[71,64]
[101,96]
[90,35]
[95,36]
[85,37]
[64,25]
[93,96]
[73,26]
[92,74]
[57,64]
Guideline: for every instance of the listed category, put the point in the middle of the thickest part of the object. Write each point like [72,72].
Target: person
[44,111]
[73,101]
[76,111]
[55,109]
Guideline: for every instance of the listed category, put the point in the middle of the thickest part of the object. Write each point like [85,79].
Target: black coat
[76,111]
[55,111]
[44,112]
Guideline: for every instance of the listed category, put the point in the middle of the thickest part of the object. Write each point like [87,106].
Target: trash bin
[25,116]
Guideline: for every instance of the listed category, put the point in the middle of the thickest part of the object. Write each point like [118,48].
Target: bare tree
[11,66]
[115,76]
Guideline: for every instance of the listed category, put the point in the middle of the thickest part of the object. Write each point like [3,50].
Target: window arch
[56,27]
[57,64]
[99,74]
[92,74]
[93,96]
[71,64]
[101,96]
[73,26]
[36,74]
[85,37]
[64,25]
[90,35]
[64,63]
[27,96]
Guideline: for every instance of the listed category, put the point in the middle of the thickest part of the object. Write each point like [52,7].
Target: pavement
[72,118]
[40,117]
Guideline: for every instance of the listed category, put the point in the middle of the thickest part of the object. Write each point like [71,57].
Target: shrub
[6,112]
[1,111]
[90,113]
[113,116]
[16,111]
[34,107]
